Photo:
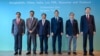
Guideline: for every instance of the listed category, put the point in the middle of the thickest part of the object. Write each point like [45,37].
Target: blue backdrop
[8,8]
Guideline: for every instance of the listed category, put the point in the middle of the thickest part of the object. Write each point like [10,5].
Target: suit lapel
[70,22]
[55,20]
[41,23]
[19,22]
[33,22]
[45,22]
[88,20]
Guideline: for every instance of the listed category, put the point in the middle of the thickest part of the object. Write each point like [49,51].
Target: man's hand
[48,35]
[77,35]
[22,33]
[52,34]
[37,35]
[67,35]
[61,33]
[30,31]
[81,33]
[94,32]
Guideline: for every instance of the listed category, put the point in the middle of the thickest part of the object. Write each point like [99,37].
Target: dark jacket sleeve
[23,26]
[48,27]
[94,27]
[35,25]
[66,27]
[51,25]
[81,24]
[77,27]
[61,25]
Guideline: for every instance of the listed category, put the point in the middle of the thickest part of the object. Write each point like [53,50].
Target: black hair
[43,14]
[32,11]
[18,13]
[56,11]
[71,13]
[87,7]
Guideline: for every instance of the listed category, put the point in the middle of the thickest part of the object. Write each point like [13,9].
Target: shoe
[68,53]
[41,53]
[74,53]
[28,53]
[34,52]
[20,53]
[85,54]
[54,52]
[46,52]
[59,53]
[91,54]
[15,53]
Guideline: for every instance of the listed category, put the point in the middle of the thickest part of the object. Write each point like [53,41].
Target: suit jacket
[72,28]
[43,29]
[57,25]
[31,25]
[18,28]
[87,25]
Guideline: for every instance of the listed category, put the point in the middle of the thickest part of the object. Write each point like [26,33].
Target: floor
[11,53]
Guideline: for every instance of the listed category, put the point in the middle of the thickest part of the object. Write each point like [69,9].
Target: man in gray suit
[31,24]
[18,29]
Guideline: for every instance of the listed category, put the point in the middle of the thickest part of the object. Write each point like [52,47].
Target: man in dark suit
[31,24]
[87,28]
[43,32]
[72,32]
[18,29]
[56,31]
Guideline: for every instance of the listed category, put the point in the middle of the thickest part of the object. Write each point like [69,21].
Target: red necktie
[18,21]
[87,17]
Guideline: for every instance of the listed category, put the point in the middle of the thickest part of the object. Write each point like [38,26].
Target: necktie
[31,20]
[56,18]
[87,17]
[43,21]
[18,21]
[72,22]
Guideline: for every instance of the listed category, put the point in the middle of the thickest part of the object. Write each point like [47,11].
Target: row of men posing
[42,29]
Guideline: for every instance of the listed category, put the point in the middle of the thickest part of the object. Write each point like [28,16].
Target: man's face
[43,17]
[18,15]
[31,14]
[56,14]
[87,11]
[71,16]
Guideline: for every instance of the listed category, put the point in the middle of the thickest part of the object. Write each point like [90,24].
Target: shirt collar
[57,17]
[32,18]
[71,19]
[87,14]
[18,18]
[43,19]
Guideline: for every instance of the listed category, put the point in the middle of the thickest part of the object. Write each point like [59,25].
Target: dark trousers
[59,42]
[18,42]
[43,39]
[90,37]
[31,38]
